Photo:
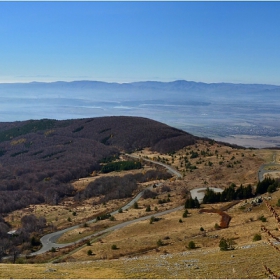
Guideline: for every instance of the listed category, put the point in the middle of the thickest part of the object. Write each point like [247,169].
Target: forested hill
[39,158]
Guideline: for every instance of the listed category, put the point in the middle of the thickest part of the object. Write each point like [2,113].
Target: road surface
[171,169]
[49,241]
[263,168]
[199,192]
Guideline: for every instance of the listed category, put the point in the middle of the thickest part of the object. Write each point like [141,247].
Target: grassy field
[138,254]
[243,262]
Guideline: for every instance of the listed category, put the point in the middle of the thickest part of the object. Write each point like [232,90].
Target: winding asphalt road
[168,167]
[49,241]
[263,168]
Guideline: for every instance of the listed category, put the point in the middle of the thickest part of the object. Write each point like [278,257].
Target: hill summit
[41,157]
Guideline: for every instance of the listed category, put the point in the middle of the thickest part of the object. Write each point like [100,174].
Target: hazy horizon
[135,81]
[210,110]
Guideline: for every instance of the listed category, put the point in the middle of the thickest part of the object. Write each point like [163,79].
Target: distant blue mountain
[180,89]
[203,109]
[175,85]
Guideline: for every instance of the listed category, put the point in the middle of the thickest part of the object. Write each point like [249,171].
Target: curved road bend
[263,167]
[168,167]
[49,241]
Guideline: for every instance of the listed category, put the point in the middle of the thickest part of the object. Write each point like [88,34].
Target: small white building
[11,232]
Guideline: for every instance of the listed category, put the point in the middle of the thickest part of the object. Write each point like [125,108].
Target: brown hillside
[39,158]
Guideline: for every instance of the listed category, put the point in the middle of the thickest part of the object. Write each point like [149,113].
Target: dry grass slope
[138,255]
[273,237]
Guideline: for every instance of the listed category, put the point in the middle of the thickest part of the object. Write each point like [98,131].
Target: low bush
[262,218]
[226,244]
[159,243]
[257,237]
[185,214]
[191,245]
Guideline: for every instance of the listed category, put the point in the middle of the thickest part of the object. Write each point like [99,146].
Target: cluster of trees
[44,173]
[103,217]
[267,185]
[226,244]
[174,143]
[4,237]
[12,130]
[13,200]
[112,187]
[194,154]
[162,201]
[40,158]
[233,193]
[25,239]
[192,203]
[229,194]
[120,166]
[149,194]
[130,133]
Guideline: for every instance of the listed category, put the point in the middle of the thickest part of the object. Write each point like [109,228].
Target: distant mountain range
[208,110]
[121,91]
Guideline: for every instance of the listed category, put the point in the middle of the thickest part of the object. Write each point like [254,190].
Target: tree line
[121,166]
[267,185]
[234,193]
[228,194]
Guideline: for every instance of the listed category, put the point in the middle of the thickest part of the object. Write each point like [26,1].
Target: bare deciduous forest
[40,158]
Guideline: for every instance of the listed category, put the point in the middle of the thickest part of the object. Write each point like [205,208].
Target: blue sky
[235,42]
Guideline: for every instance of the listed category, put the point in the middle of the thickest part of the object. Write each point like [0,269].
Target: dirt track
[225,218]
